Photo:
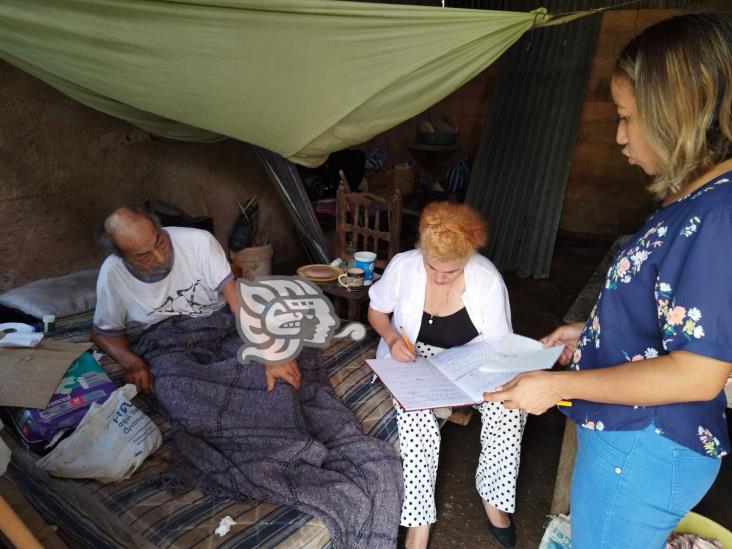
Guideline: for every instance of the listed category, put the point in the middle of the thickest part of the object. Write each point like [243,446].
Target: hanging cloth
[302,78]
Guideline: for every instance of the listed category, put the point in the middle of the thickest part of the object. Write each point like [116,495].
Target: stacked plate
[319,272]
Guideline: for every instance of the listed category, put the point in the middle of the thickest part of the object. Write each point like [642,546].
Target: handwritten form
[418,385]
[460,375]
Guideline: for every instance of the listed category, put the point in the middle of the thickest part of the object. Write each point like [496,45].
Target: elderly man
[237,429]
[154,274]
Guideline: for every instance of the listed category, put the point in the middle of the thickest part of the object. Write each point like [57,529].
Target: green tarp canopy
[302,78]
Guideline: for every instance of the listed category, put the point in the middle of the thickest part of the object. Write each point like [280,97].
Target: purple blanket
[301,448]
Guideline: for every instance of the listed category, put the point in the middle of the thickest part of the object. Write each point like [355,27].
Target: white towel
[19,339]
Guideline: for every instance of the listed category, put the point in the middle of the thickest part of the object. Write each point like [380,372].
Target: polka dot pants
[419,442]
[500,454]
[419,445]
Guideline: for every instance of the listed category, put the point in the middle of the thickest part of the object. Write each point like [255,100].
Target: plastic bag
[109,444]
[558,534]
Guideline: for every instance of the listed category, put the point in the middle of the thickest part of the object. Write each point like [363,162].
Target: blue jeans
[631,488]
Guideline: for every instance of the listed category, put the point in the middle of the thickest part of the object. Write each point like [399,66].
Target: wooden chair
[370,222]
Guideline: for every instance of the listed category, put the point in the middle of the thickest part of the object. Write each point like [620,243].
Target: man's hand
[118,347]
[289,372]
[567,335]
[140,375]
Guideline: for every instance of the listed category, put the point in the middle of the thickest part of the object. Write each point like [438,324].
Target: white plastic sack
[109,444]
[558,534]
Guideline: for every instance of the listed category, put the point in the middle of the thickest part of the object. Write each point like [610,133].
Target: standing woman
[444,294]
[648,368]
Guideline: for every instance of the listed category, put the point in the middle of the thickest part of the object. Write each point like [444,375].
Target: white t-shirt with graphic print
[192,288]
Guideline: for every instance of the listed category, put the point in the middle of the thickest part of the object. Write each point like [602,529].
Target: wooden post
[15,529]
[563,481]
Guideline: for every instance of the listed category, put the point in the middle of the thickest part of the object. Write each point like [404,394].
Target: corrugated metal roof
[569,5]
[522,162]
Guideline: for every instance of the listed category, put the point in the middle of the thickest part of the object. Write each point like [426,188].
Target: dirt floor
[537,307]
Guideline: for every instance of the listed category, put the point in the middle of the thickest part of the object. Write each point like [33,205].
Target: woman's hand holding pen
[401,349]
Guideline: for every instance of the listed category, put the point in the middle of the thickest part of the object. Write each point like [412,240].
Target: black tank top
[447,331]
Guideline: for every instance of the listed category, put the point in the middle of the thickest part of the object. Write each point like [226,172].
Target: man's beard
[156,273]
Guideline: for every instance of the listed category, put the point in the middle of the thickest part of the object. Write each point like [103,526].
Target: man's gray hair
[106,241]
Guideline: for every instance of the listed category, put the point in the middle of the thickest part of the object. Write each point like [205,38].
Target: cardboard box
[28,377]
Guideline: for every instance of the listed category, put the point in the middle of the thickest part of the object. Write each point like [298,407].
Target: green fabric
[299,77]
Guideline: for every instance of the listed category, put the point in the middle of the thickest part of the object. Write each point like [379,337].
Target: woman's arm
[382,325]
[677,377]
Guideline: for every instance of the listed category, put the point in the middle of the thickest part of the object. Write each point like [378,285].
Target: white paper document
[459,376]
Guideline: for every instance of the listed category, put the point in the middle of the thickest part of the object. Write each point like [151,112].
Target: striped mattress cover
[137,513]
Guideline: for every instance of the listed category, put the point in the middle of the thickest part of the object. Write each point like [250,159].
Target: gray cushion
[61,296]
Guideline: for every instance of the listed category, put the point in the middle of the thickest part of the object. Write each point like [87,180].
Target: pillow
[61,296]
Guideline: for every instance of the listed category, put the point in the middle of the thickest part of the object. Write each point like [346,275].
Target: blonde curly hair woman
[444,294]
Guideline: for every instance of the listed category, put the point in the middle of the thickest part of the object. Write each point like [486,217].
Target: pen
[564,403]
[406,341]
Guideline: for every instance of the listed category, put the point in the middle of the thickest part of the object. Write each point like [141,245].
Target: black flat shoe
[505,536]
[402,538]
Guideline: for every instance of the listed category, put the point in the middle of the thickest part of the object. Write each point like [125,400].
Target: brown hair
[449,232]
[681,73]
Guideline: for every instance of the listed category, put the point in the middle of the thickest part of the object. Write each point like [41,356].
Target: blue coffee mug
[365,261]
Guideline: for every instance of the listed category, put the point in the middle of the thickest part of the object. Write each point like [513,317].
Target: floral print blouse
[668,289]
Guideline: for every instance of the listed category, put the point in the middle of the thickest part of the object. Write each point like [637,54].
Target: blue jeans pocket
[611,448]
[692,475]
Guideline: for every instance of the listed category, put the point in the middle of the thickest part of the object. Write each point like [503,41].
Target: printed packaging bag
[83,384]
[109,444]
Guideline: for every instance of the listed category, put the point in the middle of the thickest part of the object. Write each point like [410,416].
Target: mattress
[138,513]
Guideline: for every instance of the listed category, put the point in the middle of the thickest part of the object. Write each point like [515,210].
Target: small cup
[352,278]
[365,261]
[49,323]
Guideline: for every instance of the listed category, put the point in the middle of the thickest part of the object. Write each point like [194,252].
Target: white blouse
[401,291]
